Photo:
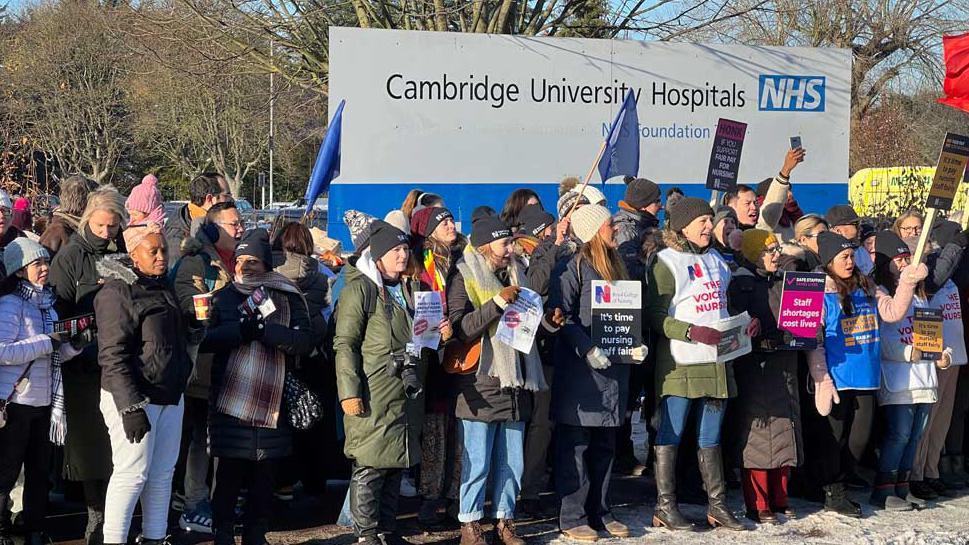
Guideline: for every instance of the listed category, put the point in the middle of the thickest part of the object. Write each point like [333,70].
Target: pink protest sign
[801,302]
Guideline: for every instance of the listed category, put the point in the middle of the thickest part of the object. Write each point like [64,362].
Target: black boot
[836,500]
[667,514]
[711,467]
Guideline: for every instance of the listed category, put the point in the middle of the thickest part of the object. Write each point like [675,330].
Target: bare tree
[67,77]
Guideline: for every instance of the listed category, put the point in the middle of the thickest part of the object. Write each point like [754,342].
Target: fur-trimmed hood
[117,267]
[676,241]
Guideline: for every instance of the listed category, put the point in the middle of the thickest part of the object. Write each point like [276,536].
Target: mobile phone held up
[795,142]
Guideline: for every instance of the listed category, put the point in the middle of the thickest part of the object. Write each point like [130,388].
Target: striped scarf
[44,299]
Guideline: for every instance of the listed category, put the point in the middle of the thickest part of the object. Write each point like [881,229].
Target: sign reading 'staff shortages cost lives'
[802,299]
[617,318]
[949,172]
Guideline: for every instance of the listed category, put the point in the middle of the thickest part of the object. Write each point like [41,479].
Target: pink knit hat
[146,198]
[21,204]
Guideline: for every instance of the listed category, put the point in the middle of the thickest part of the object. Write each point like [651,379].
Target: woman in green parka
[379,383]
[687,296]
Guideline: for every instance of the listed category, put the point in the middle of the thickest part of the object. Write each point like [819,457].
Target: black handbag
[303,407]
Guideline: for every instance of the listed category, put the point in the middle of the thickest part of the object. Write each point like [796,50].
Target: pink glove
[753,328]
[705,335]
[825,396]
[913,274]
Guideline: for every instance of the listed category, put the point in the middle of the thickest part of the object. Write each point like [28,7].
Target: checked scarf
[252,388]
[44,300]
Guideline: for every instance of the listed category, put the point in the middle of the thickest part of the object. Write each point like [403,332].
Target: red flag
[956,86]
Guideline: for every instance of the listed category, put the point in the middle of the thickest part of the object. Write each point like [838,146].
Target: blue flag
[621,157]
[327,164]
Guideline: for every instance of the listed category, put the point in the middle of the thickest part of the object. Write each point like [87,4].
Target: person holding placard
[590,393]
[495,392]
[909,385]
[437,246]
[845,367]
[686,297]
[766,413]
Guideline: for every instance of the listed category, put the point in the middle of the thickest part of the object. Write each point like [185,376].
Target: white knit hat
[595,196]
[587,220]
[398,220]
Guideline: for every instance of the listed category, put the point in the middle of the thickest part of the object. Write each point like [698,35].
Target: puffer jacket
[228,436]
[199,270]
[24,339]
[632,227]
[581,395]
[304,271]
[370,329]
[141,337]
[766,415]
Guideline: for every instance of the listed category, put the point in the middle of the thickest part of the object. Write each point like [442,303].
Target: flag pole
[588,177]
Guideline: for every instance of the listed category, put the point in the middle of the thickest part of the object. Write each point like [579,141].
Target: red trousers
[765,489]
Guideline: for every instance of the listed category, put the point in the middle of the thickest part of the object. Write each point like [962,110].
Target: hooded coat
[141,337]
[370,329]
[766,415]
[715,380]
[76,281]
[229,437]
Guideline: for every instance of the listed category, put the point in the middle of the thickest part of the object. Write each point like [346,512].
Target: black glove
[412,383]
[59,338]
[136,425]
[251,328]
[82,339]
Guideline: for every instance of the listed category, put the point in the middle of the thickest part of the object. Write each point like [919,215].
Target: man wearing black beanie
[636,220]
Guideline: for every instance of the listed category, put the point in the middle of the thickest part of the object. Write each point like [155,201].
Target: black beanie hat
[481,212]
[641,193]
[888,246]
[384,237]
[255,243]
[487,229]
[687,209]
[830,244]
[534,219]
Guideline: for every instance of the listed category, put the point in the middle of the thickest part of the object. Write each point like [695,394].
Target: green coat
[691,381]
[387,434]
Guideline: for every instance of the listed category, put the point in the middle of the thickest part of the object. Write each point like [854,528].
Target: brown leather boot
[472,534]
[505,533]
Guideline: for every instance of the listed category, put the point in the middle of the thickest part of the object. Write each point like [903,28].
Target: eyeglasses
[774,250]
[915,229]
[233,224]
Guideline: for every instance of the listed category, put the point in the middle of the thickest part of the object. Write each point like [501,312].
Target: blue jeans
[906,423]
[674,411]
[497,446]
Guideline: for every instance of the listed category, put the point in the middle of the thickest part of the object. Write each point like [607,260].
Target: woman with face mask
[76,281]
[767,421]
[379,380]
[252,349]
[591,392]
[686,296]
[845,367]
[494,396]
[144,369]
[31,355]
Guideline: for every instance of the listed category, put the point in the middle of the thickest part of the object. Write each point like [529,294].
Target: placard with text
[617,318]
[802,300]
[725,157]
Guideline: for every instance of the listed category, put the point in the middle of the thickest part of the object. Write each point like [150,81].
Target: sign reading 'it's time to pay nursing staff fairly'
[617,318]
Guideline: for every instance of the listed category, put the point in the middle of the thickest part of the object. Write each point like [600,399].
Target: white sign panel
[430,107]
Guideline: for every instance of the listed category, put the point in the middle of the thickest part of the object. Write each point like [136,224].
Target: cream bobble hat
[587,220]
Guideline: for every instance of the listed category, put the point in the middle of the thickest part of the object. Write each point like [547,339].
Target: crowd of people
[160,352]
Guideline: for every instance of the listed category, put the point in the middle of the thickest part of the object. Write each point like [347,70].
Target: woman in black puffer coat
[248,431]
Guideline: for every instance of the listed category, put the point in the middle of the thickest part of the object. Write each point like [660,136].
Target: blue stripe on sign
[462,199]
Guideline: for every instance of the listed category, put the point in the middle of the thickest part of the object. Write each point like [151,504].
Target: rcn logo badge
[778,93]
[694,271]
[603,295]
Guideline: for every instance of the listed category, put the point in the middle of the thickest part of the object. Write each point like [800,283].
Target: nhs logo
[791,93]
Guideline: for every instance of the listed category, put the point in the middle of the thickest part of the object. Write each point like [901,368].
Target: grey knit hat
[21,252]
[723,212]
[687,209]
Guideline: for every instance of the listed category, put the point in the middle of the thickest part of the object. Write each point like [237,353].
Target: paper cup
[203,305]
